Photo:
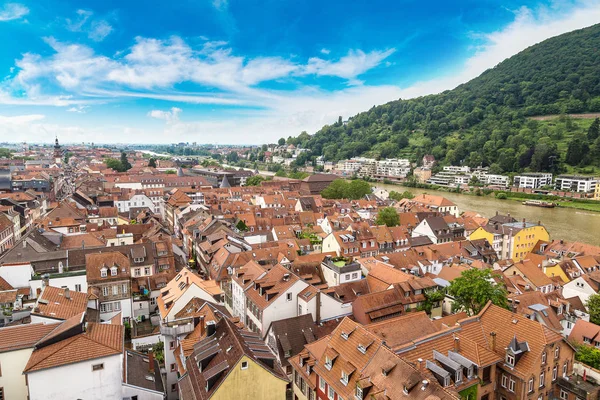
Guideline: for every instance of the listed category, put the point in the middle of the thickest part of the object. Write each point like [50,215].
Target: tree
[577,150]
[388,216]
[281,173]
[336,189]
[358,189]
[152,162]
[115,164]
[254,180]
[594,130]
[399,196]
[281,141]
[5,153]
[593,306]
[474,288]
[588,355]
[170,172]
[233,157]
[125,162]
[432,298]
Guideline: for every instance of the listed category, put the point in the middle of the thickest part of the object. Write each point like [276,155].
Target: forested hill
[485,120]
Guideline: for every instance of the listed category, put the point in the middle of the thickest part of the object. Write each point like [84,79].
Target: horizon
[210,73]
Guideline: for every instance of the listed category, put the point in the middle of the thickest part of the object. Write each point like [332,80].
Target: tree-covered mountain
[486,121]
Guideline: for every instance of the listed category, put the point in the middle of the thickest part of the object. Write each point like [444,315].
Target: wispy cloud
[12,11]
[169,117]
[220,4]
[96,29]
[325,51]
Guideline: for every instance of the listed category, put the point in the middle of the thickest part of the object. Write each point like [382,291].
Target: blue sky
[227,71]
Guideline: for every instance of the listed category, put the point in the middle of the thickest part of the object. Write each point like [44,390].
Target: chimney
[318,308]
[83,244]
[493,341]
[456,344]
[25,243]
[187,281]
[67,294]
[151,362]
[211,328]
[420,364]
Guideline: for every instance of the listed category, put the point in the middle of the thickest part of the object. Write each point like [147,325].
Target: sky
[245,71]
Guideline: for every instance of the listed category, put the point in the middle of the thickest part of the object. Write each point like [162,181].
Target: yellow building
[512,240]
[597,192]
[231,363]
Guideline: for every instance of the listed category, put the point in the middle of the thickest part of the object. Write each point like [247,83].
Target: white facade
[76,283]
[12,379]
[532,181]
[393,167]
[578,287]
[79,380]
[581,184]
[136,201]
[17,275]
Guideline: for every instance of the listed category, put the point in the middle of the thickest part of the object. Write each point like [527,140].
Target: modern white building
[576,183]
[532,180]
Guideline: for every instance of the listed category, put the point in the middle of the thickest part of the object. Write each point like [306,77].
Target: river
[562,223]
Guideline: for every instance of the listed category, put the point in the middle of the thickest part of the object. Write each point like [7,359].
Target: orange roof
[23,336]
[174,289]
[52,303]
[99,340]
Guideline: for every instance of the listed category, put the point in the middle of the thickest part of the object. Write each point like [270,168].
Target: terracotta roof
[81,241]
[403,329]
[584,329]
[52,303]
[99,340]
[95,262]
[23,336]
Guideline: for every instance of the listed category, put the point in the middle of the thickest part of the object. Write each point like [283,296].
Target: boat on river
[539,203]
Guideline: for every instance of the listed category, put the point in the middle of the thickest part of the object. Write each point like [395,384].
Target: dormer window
[328,363]
[359,393]
[510,359]
[103,272]
[113,271]
[344,378]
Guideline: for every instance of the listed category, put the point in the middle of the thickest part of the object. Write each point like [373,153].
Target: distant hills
[485,121]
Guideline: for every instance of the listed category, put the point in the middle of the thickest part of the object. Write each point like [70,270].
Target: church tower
[57,152]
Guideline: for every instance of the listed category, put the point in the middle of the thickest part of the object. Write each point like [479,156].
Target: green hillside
[485,121]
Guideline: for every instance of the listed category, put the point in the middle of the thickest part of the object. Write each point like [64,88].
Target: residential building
[231,363]
[79,360]
[535,180]
[436,203]
[576,183]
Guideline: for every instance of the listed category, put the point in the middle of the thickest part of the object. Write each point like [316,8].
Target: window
[288,296]
[557,351]
[328,363]
[321,384]
[544,358]
[103,272]
[138,272]
[173,367]
[564,395]
[504,381]
[511,385]
[171,345]
[510,359]
[117,306]
[244,364]
[331,393]
[565,368]
[344,378]
[530,385]
[115,290]
[147,271]
[97,367]
[300,309]
[359,393]
[173,387]
[542,377]
[354,275]
[124,288]
[487,371]
[77,287]
[554,373]
[105,291]
[113,271]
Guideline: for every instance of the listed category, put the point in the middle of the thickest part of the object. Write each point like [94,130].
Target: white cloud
[13,11]
[220,4]
[355,63]
[169,117]
[96,29]
[100,30]
[325,51]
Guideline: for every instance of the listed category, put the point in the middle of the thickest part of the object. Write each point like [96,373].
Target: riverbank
[577,204]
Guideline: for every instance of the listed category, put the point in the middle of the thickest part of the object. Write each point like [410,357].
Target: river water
[562,223]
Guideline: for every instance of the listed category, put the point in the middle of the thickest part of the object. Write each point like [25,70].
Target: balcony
[176,328]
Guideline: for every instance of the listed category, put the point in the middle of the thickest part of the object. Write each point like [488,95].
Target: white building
[16,345]
[393,167]
[576,183]
[532,180]
[138,200]
[81,361]
[579,287]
